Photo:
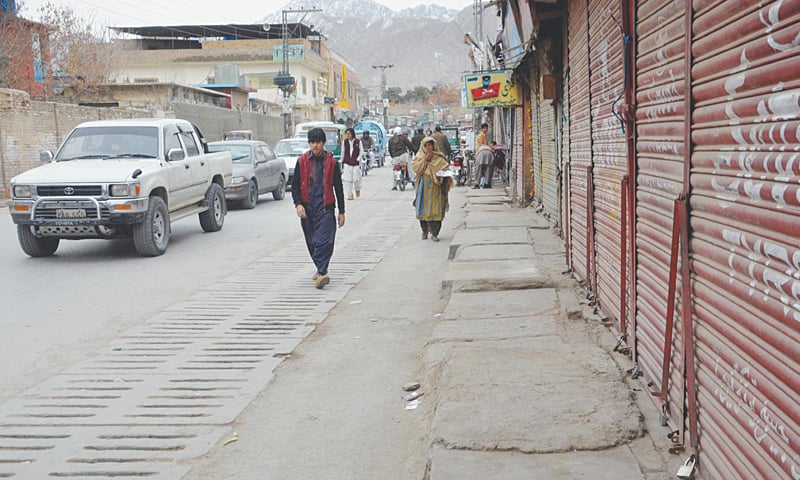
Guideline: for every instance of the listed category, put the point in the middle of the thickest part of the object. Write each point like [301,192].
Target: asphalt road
[58,310]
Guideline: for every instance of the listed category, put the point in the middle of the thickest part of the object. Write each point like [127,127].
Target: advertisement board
[491,89]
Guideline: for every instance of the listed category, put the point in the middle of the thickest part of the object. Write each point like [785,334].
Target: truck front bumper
[77,211]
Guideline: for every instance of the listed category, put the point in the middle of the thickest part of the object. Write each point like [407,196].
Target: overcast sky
[188,12]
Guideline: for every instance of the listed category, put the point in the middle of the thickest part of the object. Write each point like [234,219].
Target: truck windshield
[110,142]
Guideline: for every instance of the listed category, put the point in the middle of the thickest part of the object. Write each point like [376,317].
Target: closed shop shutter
[563,122]
[580,142]
[745,246]
[550,167]
[536,142]
[609,160]
[515,154]
[660,151]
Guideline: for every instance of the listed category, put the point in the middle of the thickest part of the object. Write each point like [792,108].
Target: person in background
[366,145]
[442,142]
[416,140]
[316,191]
[481,138]
[431,199]
[351,164]
[399,149]
[483,160]
[499,160]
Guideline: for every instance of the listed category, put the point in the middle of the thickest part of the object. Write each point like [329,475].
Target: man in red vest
[317,179]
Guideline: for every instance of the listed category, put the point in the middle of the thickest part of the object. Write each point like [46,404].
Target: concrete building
[238,60]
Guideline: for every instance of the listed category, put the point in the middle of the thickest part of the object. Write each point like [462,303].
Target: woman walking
[431,198]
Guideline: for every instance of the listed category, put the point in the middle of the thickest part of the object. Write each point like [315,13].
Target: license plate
[70,213]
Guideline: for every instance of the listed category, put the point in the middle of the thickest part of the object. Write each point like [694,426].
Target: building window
[313,89]
[305,92]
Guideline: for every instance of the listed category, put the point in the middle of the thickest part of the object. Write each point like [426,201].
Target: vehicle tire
[35,246]
[252,195]
[212,219]
[280,192]
[151,237]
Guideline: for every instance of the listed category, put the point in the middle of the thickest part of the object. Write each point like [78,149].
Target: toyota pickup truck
[120,179]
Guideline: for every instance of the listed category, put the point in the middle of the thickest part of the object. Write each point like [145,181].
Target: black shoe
[476,186]
[424,235]
[394,188]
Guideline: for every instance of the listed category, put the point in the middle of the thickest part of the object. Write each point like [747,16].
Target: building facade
[662,140]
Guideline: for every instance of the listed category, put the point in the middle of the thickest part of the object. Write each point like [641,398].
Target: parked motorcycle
[401,178]
[457,165]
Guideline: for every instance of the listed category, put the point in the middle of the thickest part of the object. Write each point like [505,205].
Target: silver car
[256,170]
[289,149]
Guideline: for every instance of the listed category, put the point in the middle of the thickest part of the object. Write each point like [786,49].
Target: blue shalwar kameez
[319,226]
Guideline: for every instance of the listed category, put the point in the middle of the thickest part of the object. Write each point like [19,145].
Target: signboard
[294,52]
[344,82]
[491,89]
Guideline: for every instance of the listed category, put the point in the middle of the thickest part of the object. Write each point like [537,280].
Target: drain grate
[164,392]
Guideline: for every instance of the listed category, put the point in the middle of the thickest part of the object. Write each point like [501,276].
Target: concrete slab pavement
[525,382]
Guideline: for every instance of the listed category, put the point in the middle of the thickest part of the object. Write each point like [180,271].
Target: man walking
[351,164]
[442,142]
[316,191]
[483,159]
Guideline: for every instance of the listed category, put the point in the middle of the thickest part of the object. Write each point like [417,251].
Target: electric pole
[383,93]
[283,80]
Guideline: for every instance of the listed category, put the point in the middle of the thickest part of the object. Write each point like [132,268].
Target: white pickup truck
[118,179]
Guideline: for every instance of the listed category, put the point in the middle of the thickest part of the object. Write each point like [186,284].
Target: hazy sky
[188,12]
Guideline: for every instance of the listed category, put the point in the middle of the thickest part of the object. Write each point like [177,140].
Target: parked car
[238,135]
[120,179]
[289,149]
[256,170]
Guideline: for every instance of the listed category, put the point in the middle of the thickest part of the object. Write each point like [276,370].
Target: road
[57,310]
[125,367]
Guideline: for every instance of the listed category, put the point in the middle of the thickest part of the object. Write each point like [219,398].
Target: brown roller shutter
[579,137]
[745,246]
[661,72]
[609,157]
[550,169]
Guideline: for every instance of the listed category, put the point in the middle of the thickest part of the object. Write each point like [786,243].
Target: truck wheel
[279,192]
[33,245]
[151,237]
[252,195]
[212,219]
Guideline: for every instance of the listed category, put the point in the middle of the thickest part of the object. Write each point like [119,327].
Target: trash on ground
[232,439]
[437,315]
[411,386]
[412,405]
[356,302]
[413,396]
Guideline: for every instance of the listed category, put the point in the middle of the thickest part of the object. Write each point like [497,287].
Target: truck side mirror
[45,156]
[175,154]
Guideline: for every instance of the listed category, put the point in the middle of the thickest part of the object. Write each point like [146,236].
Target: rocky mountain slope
[424,43]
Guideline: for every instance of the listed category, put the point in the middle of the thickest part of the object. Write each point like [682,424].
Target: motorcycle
[366,162]
[401,178]
[459,168]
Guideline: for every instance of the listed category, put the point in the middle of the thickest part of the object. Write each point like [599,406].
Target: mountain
[424,43]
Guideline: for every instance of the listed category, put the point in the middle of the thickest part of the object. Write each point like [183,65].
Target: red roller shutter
[579,137]
[609,158]
[745,247]
[661,72]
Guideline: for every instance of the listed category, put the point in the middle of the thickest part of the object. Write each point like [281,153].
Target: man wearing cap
[399,148]
[442,141]
[316,191]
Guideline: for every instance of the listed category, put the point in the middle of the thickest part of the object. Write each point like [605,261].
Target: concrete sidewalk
[520,368]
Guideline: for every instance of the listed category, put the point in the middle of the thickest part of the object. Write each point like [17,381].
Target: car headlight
[23,191]
[237,180]
[124,190]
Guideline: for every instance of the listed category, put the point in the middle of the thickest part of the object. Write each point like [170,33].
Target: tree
[418,94]
[394,94]
[14,39]
[79,56]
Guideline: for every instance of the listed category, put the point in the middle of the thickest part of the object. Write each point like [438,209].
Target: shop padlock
[687,469]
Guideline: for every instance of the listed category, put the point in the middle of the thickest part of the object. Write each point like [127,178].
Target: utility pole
[383,93]
[283,80]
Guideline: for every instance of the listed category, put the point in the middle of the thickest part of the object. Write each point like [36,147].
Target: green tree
[394,94]
[418,94]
